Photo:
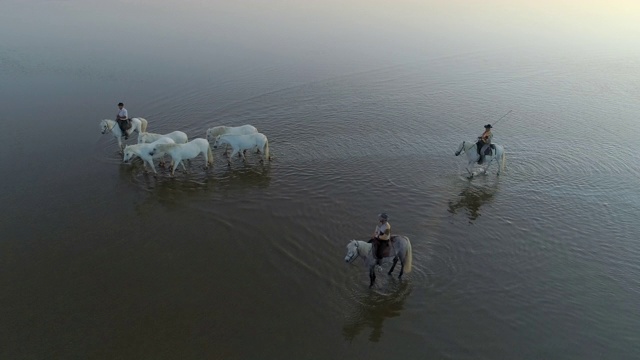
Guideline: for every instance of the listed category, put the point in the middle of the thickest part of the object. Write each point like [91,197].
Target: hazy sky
[329,30]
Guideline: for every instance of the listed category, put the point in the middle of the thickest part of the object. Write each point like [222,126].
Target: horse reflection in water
[471,199]
[374,308]
[179,193]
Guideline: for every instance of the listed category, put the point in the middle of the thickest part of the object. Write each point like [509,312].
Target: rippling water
[102,260]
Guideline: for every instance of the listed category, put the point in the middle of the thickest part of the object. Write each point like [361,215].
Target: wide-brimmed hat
[488,126]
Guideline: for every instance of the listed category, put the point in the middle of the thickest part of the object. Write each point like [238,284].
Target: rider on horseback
[122,118]
[381,236]
[484,141]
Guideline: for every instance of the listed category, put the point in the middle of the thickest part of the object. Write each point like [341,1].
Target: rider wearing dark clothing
[381,236]
[484,141]
[122,118]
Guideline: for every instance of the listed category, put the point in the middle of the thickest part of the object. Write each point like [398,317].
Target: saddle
[125,124]
[386,251]
[479,146]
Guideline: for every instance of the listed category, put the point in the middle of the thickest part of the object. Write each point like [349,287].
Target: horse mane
[217,130]
[135,146]
[364,244]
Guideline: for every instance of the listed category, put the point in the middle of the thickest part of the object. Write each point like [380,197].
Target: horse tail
[143,125]
[503,161]
[408,259]
[209,154]
[266,149]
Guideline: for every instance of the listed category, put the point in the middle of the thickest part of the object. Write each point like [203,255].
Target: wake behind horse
[471,149]
[399,250]
[190,150]
[137,124]
[240,143]
[143,151]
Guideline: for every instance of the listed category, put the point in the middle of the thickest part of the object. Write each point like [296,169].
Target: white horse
[471,149]
[399,249]
[216,131]
[137,124]
[240,143]
[143,151]
[177,136]
[190,150]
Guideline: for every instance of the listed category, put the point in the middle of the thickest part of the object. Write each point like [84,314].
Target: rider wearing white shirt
[382,235]
[123,119]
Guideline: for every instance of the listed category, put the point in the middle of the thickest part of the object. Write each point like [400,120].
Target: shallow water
[101,260]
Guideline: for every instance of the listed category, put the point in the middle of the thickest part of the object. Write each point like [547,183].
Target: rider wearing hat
[484,141]
[122,118]
[382,235]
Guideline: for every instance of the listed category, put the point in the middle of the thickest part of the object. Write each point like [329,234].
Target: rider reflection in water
[381,236]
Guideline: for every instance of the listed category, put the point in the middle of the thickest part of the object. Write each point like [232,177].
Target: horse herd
[176,144]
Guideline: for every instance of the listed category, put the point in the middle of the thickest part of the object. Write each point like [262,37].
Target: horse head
[352,251]
[215,131]
[104,126]
[219,140]
[128,154]
[142,138]
[161,147]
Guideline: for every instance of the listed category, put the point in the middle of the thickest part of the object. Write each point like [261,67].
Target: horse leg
[395,261]
[175,165]
[233,153]
[372,276]
[401,269]
[152,166]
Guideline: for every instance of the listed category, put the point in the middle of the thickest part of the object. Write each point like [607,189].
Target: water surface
[364,106]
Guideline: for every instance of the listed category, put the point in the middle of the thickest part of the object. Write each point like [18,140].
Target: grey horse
[399,249]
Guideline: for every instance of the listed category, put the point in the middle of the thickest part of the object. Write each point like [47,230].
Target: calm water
[364,105]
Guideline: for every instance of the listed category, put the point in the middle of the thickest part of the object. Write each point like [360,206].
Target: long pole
[503,116]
